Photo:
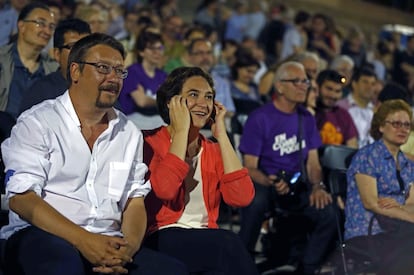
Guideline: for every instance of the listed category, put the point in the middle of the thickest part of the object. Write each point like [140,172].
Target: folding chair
[335,160]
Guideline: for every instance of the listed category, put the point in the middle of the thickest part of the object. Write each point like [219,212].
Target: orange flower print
[330,135]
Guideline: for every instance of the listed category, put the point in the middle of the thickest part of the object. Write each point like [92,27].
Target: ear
[56,54]
[278,87]
[20,26]
[75,72]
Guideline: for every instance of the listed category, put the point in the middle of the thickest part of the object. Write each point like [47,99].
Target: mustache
[110,87]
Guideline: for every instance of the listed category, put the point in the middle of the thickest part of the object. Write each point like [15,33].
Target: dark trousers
[323,226]
[392,252]
[205,251]
[34,251]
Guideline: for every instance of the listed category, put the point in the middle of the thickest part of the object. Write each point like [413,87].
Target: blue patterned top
[376,161]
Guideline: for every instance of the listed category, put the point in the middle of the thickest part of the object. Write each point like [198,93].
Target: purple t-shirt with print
[273,136]
[137,75]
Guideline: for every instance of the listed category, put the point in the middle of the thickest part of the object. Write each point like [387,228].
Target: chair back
[335,160]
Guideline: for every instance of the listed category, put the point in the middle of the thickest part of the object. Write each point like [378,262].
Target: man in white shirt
[359,103]
[75,177]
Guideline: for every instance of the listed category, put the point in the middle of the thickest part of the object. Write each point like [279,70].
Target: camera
[290,179]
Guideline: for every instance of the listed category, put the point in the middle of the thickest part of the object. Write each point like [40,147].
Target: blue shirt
[21,81]
[223,94]
[376,161]
[8,23]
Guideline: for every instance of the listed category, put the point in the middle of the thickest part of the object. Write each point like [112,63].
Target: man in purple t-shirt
[334,123]
[281,137]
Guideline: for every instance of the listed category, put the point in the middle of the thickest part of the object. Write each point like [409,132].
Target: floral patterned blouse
[376,161]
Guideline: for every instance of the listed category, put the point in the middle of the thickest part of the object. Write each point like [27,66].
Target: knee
[327,215]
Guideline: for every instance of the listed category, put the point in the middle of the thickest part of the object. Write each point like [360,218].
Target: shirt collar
[353,103]
[113,115]
[402,159]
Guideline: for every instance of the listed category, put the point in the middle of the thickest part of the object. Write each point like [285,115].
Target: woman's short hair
[386,108]
[243,59]
[173,85]
[145,39]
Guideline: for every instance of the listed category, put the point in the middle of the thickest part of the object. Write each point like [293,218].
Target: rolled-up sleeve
[25,155]
[138,186]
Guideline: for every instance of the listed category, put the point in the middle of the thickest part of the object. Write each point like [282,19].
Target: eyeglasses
[297,81]
[67,46]
[198,53]
[42,24]
[107,69]
[153,48]
[399,124]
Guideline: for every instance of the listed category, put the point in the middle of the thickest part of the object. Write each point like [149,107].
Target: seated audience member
[183,60]
[22,62]
[67,33]
[242,86]
[144,77]
[344,65]
[97,17]
[321,38]
[200,53]
[295,39]
[9,12]
[310,61]
[312,96]
[380,205]
[334,123]
[359,103]
[227,58]
[76,188]
[393,90]
[280,139]
[190,175]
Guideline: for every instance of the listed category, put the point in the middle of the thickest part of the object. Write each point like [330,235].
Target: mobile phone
[213,114]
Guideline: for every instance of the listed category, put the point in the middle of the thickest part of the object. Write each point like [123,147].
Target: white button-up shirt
[48,154]
[362,118]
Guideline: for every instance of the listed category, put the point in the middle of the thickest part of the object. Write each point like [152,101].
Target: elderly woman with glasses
[380,207]
[190,175]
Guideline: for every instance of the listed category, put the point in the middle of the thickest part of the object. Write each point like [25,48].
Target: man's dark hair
[330,75]
[243,59]
[393,90]
[70,25]
[146,38]
[173,85]
[25,12]
[363,71]
[301,17]
[81,48]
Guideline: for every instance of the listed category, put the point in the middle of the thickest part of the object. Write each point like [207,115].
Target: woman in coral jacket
[190,175]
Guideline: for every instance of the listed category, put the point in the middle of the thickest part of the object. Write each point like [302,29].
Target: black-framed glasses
[297,81]
[42,24]
[107,69]
[67,46]
[155,48]
[399,124]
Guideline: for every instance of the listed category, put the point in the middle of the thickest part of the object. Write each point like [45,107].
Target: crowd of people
[123,147]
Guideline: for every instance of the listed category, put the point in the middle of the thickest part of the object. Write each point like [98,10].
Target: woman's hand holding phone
[218,127]
[179,114]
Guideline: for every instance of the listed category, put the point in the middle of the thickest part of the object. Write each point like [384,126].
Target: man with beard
[334,123]
[75,177]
